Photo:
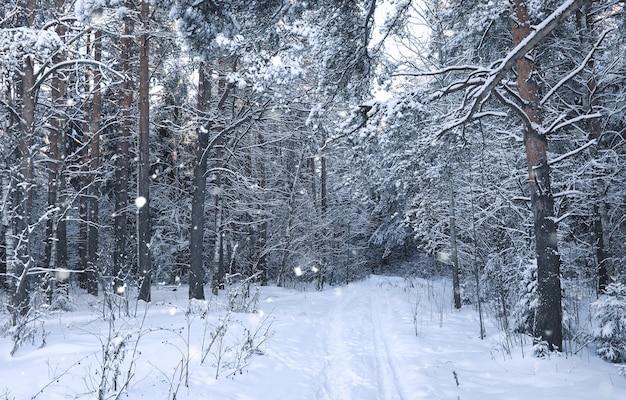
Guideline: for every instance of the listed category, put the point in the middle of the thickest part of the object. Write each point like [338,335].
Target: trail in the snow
[383,338]
[359,359]
[389,338]
[389,386]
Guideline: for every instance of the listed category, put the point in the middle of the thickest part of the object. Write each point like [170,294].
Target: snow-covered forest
[170,168]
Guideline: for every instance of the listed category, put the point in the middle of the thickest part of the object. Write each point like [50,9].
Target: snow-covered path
[384,338]
[359,362]
[389,338]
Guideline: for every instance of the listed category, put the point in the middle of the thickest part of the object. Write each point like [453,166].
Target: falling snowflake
[140,201]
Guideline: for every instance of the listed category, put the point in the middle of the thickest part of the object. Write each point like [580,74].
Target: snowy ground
[382,338]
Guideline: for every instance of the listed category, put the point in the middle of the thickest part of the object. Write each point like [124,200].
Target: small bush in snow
[525,311]
[62,302]
[541,349]
[609,315]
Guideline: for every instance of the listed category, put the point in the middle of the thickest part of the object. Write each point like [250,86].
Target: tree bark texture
[196,236]
[144,261]
[56,239]
[120,256]
[22,260]
[456,275]
[549,316]
[584,24]
[91,272]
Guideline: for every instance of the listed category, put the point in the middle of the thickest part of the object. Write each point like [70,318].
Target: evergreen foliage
[609,318]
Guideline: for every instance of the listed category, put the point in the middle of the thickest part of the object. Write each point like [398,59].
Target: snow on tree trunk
[549,316]
[91,272]
[456,278]
[196,241]
[144,259]
[120,256]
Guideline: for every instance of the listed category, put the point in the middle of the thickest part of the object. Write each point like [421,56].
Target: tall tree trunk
[262,231]
[7,225]
[584,22]
[549,316]
[456,281]
[91,272]
[56,243]
[144,261]
[196,236]
[85,180]
[205,144]
[83,198]
[324,208]
[120,256]
[219,142]
[218,251]
[21,263]
[282,273]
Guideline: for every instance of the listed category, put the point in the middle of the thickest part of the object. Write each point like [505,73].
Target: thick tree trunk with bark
[20,264]
[196,236]
[549,316]
[91,272]
[205,145]
[56,239]
[83,200]
[584,24]
[144,261]
[456,280]
[324,209]
[219,142]
[120,255]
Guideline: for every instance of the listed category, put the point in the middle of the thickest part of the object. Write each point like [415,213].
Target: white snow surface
[360,341]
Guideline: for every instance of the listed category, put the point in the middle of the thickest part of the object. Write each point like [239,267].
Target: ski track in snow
[359,362]
[389,387]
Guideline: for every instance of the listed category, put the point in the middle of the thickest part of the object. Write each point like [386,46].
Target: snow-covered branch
[576,70]
[556,125]
[573,152]
[62,64]
[507,63]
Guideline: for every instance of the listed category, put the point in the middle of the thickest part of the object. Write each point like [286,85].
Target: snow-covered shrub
[541,348]
[62,302]
[525,311]
[609,316]
[27,328]
[5,395]
[243,295]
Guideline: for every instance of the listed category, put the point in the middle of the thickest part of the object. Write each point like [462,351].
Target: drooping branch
[63,64]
